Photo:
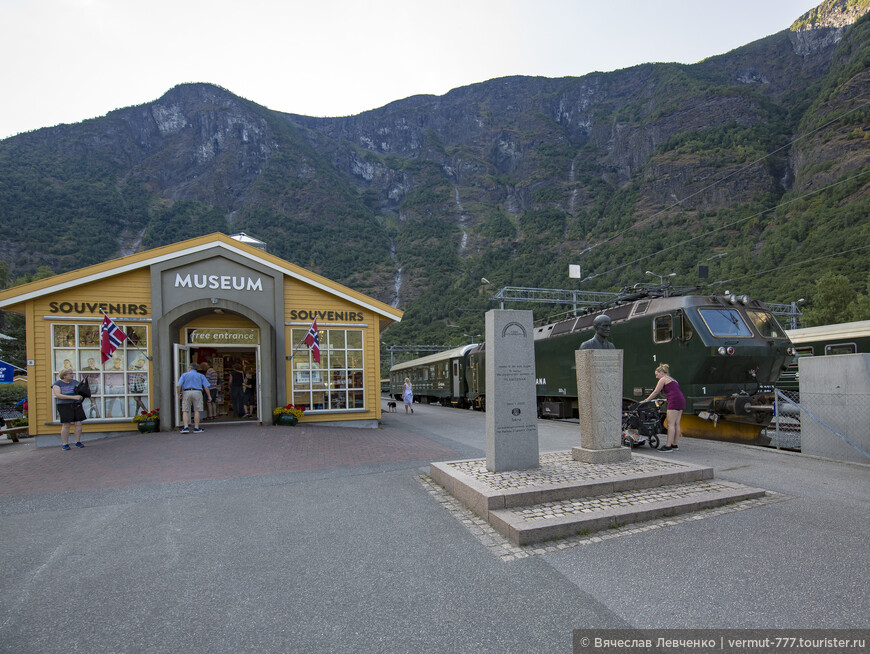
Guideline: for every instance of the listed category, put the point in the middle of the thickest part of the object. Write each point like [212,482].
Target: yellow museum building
[217,300]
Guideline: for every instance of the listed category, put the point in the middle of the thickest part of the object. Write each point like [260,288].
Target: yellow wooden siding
[134,287]
[304,297]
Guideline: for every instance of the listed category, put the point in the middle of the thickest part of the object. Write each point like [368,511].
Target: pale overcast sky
[68,60]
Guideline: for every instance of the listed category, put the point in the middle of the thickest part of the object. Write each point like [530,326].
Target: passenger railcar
[824,340]
[435,378]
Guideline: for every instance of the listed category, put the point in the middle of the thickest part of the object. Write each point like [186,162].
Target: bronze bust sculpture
[602,331]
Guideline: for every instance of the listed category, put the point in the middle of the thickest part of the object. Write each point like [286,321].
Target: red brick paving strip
[221,452]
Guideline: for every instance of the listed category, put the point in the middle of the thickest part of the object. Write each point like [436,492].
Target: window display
[336,383]
[119,388]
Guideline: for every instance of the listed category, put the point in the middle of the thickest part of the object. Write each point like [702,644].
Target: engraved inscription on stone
[511,416]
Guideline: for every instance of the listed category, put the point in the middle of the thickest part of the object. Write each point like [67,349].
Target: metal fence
[791,418]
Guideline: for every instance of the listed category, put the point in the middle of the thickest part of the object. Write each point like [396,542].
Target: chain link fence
[842,421]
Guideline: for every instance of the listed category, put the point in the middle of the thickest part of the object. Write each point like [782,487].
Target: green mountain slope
[754,163]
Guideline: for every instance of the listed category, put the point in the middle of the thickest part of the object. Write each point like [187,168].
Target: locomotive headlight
[732,299]
[726,350]
[791,351]
[744,300]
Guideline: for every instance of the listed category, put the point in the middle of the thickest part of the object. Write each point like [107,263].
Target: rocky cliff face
[508,179]
[219,145]
[824,26]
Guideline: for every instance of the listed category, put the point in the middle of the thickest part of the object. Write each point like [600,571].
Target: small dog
[391,407]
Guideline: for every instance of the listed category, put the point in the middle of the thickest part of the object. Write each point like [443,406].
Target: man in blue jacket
[190,388]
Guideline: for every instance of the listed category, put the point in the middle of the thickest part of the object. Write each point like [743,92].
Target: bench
[12,432]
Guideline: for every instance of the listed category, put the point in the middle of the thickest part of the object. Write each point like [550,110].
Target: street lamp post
[795,312]
[661,277]
[486,281]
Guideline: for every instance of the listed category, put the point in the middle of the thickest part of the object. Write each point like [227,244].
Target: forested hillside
[754,163]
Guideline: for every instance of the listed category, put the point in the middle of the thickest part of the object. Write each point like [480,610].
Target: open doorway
[234,373]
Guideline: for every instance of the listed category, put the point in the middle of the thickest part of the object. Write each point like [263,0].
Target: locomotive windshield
[725,322]
[766,324]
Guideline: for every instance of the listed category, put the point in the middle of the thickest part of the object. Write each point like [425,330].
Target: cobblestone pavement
[505,550]
[221,452]
[561,468]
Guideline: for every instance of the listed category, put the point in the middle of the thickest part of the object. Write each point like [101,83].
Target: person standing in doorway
[237,380]
[408,395]
[250,392]
[191,386]
[69,407]
[203,369]
[211,376]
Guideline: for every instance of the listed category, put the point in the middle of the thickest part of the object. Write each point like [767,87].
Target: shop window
[119,388]
[336,383]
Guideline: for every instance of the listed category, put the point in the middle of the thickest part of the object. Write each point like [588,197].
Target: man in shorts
[191,386]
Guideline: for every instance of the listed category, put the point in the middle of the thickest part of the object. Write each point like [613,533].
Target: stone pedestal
[599,397]
[511,406]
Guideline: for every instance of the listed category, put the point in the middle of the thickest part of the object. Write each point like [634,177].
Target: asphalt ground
[312,539]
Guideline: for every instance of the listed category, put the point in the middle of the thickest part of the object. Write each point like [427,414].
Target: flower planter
[148,427]
[286,420]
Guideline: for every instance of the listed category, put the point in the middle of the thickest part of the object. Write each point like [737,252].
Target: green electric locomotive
[726,352]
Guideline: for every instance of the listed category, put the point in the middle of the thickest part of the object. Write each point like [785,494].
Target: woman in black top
[249,387]
[237,378]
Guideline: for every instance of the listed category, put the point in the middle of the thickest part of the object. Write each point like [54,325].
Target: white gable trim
[56,288]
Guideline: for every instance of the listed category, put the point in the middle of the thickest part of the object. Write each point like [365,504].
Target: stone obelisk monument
[511,406]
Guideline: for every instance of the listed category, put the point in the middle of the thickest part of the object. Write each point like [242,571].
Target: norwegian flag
[111,337]
[312,340]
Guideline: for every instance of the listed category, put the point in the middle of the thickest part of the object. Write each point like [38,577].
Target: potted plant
[148,421]
[287,415]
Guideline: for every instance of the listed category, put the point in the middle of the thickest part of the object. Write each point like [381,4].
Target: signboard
[7,372]
[574,271]
[223,336]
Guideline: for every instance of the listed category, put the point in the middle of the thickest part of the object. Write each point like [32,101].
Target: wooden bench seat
[12,432]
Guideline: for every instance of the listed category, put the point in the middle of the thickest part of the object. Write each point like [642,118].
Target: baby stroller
[641,423]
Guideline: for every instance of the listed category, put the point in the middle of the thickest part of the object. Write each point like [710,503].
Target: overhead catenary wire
[803,262]
[731,224]
[864,103]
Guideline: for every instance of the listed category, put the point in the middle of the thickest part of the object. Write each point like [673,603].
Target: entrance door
[222,358]
[258,386]
[457,379]
[182,360]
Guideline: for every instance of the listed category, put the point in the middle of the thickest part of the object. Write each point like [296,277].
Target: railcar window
[841,348]
[766,324]
[663,329]
[725,322]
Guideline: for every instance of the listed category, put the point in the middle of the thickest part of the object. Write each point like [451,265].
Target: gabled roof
[73,278]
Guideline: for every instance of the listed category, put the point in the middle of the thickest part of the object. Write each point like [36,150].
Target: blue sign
[7,372]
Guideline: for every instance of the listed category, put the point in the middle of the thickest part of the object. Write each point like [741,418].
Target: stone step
[568,517]
[559,477]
